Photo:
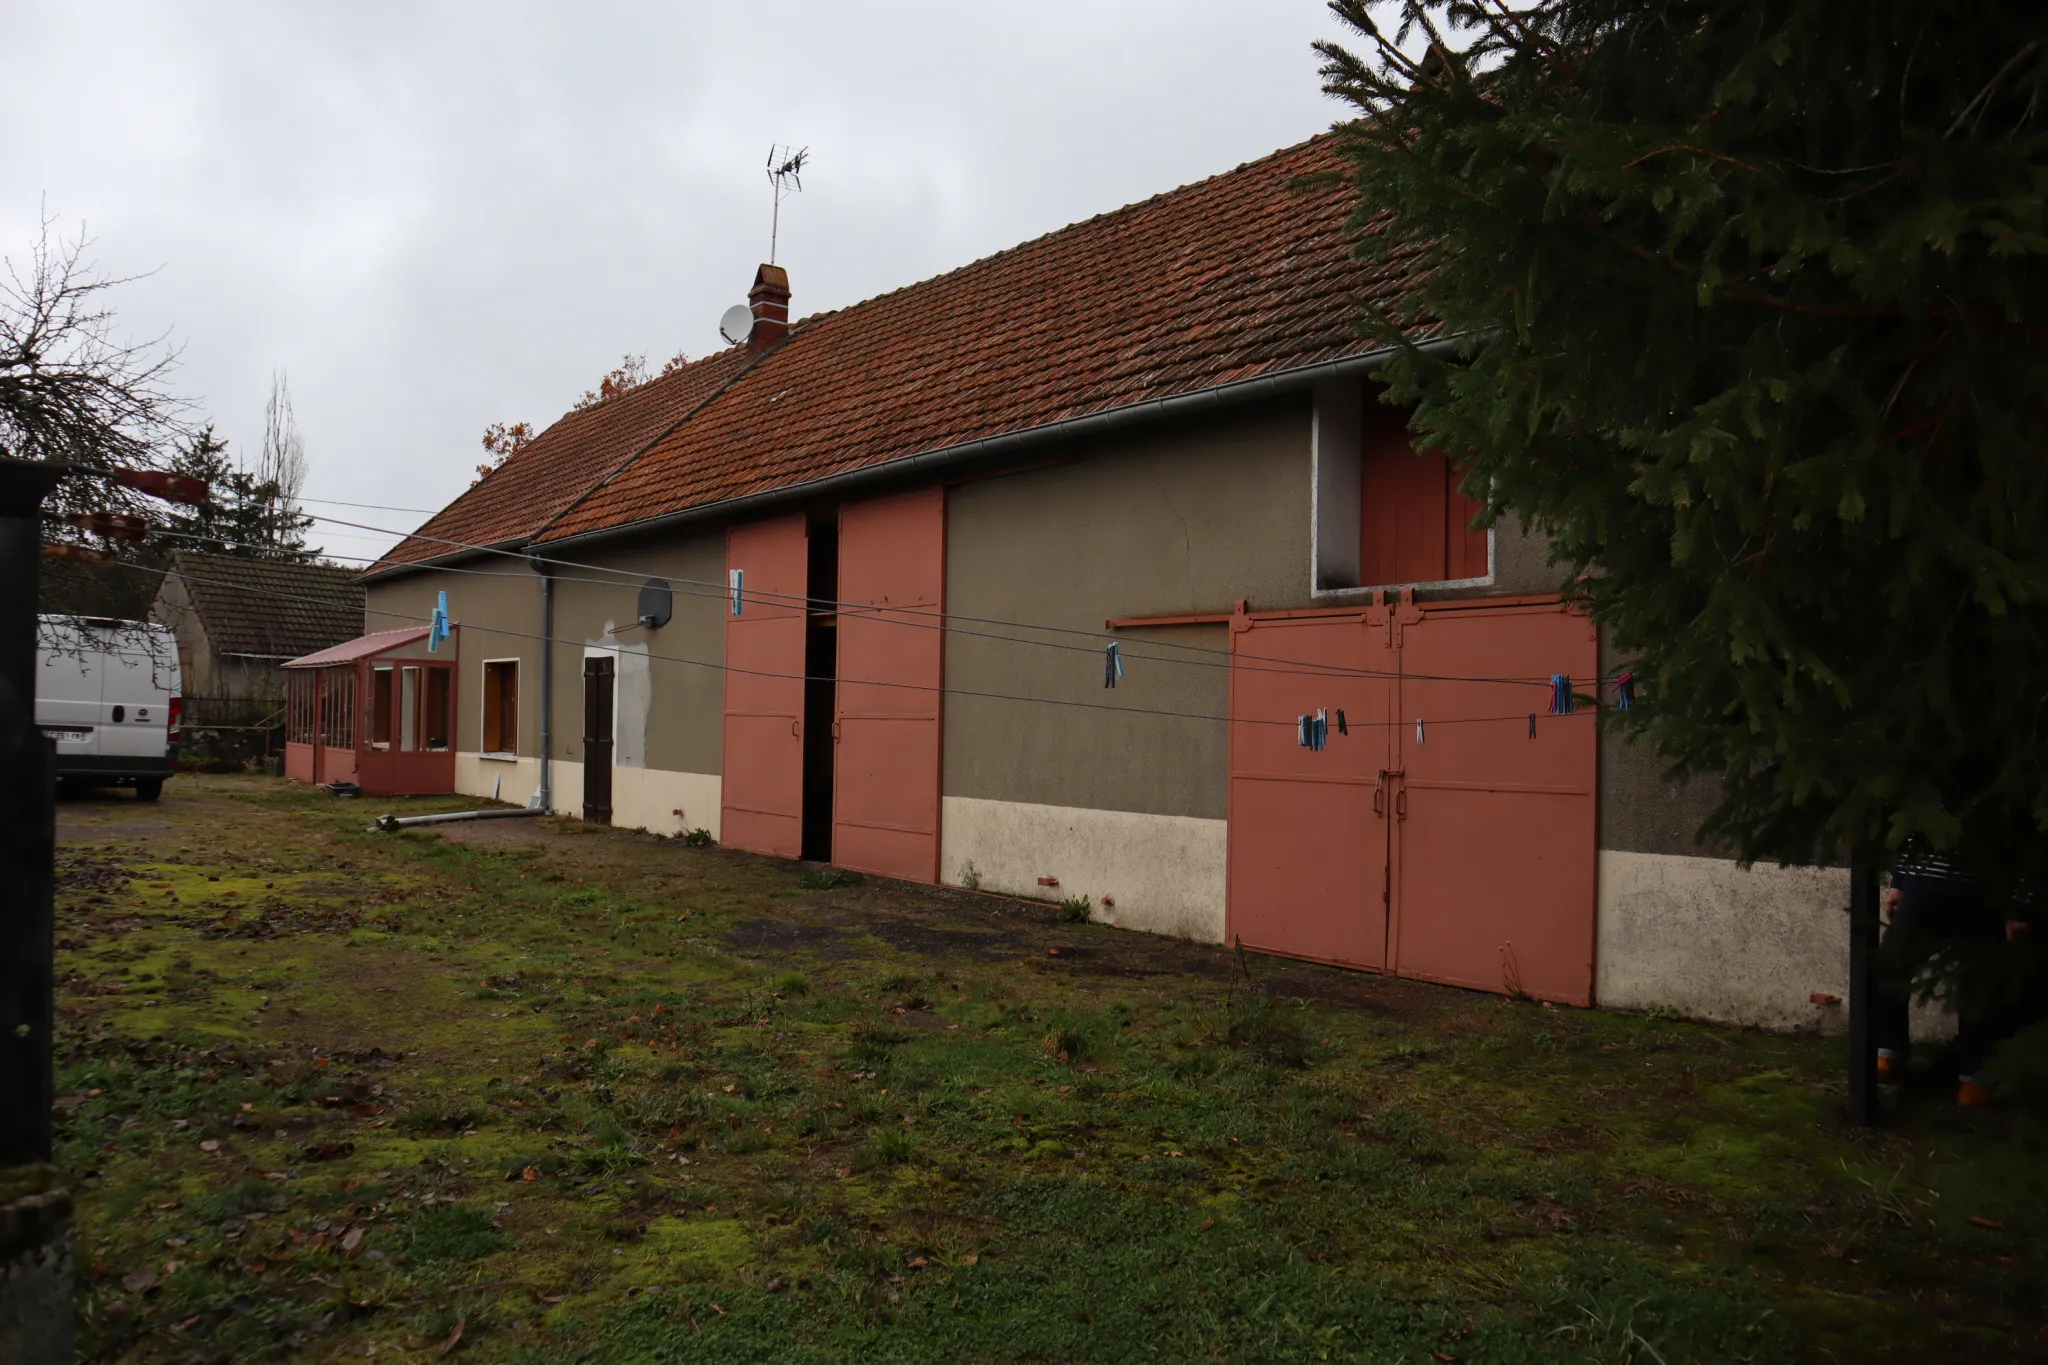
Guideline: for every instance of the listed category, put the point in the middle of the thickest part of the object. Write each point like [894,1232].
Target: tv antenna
[785,173]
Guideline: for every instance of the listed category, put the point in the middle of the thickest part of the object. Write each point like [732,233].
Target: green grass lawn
[530,1092]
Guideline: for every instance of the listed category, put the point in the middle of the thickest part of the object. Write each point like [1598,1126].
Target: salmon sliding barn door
[766,567]
[1308,828]
[892,577]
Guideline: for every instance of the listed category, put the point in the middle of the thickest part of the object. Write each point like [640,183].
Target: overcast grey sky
[438,216]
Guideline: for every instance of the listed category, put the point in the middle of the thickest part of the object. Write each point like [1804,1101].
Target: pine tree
[1752,300]
[242,517]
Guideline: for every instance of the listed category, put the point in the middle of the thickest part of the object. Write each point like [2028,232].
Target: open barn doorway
[821,664]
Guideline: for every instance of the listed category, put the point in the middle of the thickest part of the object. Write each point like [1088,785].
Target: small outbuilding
[238,619]
[377,712]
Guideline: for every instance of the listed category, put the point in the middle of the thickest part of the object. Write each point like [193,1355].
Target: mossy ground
[554,1095]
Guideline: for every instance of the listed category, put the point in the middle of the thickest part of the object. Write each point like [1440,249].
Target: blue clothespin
[1112,663]
[1625,690]
[737,579]
[437,629]
[1560,694]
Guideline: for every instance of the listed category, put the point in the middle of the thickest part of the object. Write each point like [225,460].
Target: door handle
[835,732]
[1401,804]
[1379,800]
[795,729]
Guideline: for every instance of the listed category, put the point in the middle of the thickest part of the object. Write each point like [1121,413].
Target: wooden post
[1863,1004]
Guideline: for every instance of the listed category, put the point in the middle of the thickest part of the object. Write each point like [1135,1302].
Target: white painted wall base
[513,778]
[1712,941]
[1165,872]
[649,799]
[645,798]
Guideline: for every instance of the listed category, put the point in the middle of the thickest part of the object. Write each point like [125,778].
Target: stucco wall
[670,699]
[499,612]
[1180,518]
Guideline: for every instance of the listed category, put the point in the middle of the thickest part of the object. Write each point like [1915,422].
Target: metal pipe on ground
[388,823]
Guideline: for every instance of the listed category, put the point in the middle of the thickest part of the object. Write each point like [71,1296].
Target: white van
[109,692]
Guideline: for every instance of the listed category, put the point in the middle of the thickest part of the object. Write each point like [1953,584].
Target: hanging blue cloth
[1560,694]
[1625,690]
[437,629]
[1112,664]
[738,581]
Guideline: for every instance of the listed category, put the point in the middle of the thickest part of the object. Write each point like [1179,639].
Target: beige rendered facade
[1107,797]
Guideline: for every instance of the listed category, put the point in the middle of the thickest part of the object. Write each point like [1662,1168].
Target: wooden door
[763,783]
[892,576]
[1495,839]
[599,679]
[1308,829]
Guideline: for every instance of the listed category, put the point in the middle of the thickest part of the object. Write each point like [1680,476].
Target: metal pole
[28,829]
[1863,1003]
[544,794]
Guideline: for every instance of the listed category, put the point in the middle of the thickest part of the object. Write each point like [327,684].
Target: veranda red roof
[376,642]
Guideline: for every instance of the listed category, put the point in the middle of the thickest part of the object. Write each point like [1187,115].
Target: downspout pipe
[994,449]
[544,794]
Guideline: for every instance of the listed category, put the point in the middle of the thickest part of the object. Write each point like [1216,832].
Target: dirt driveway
[529,1091]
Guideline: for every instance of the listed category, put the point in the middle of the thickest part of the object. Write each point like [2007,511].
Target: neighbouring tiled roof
[1228,279]
[515,500]
[269,608]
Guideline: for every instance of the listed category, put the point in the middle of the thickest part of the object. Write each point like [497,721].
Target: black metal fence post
[28,833]
[1863,1004]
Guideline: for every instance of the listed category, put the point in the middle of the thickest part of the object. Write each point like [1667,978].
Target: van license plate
[60,732]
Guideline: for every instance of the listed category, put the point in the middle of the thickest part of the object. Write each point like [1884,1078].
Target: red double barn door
[884,769]
[763,784]
[885,772]
[1463,852]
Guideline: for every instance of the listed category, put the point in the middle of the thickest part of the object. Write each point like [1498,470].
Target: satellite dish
[737,323]
[657,604]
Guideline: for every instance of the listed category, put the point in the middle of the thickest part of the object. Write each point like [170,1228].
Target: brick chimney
[769,299]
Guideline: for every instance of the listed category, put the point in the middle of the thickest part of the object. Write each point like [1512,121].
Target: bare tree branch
[71,389]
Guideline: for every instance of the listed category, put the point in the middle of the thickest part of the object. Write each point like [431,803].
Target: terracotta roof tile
[1227,279]
[515,500]
[1233,277]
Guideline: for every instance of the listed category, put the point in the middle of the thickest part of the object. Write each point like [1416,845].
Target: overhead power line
[940,620]
[939,689]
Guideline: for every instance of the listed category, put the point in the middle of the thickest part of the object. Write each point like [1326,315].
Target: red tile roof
[1228,279]
[515,500]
